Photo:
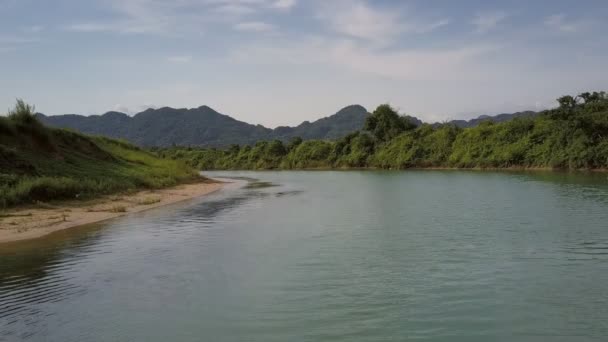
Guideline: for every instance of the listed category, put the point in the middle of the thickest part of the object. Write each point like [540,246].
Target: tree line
[571,136]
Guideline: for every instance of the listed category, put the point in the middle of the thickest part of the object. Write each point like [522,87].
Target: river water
[328,256]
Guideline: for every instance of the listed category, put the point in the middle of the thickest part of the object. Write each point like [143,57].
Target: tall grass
[39,163]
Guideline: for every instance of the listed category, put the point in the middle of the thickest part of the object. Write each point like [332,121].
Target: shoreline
[27,223]
[437,168]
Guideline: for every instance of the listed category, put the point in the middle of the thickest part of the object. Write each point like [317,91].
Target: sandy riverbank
[34,222]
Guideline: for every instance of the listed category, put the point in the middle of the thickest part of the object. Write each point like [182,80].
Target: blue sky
[279,62]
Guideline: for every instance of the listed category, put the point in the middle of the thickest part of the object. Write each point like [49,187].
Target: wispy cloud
[180,59]
[284,4]
[558,22]
[432,26]
[358,19]
[422,64]
[254,26]
[15,42]
[402,64]
[170,17]
[33,29]
[12,39]
[487,21]
[234,10]
[132,109]
[89,27]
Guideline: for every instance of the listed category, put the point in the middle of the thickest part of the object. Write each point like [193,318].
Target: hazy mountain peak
[113,114]
[203,126]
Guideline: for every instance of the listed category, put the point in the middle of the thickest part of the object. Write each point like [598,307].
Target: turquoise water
[328,256]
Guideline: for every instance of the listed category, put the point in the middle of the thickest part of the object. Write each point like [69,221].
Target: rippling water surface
[328,256]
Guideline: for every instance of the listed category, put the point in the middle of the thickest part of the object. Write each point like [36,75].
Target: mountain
[203,126]
[349,119]
[494,118]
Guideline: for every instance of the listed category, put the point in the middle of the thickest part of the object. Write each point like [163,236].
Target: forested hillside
[203,126]
[571,136]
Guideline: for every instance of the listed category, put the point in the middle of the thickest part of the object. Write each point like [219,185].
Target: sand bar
[37,221]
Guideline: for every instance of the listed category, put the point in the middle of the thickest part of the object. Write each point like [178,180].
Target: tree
[294,143]
[567,102]
[586,96]
[234,149]
[385,123]
[276,148]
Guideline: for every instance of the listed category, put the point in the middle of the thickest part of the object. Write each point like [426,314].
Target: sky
[280,62]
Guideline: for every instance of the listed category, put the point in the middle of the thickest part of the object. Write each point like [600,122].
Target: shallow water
[328,256]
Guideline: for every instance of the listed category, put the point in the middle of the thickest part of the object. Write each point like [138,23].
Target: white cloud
[88,27]
[402,64]
[424,64]
[254,26]
[132,110]
[234,10]
[180,59]
[487,21]
[558,22]
[33,29]
[10,43]
[284,4]
[425,27]
[175,17]
[358,19]
[11,39]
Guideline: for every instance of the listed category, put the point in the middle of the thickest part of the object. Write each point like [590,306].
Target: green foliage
[385,123]
[294,143]
[309,154]
[354,150]
[42,164]
[572,136]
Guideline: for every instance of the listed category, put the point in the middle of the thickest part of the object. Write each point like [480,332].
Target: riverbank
[34,222]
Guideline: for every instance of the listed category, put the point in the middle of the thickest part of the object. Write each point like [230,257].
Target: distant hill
[347,120]
[493,118]
[205,127]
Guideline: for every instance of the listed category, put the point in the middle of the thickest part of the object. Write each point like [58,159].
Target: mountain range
[204,126]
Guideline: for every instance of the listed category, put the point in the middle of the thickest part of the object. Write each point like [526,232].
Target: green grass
[39,163]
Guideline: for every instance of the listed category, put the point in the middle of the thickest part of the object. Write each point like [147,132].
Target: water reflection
[34,273]
[582,185]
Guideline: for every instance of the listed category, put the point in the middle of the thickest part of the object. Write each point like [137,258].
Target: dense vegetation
[203,126]
[572,136]
[38,163]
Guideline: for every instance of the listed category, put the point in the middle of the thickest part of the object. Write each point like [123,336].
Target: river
[328,256]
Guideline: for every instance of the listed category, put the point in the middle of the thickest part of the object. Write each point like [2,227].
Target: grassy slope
[38,163]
